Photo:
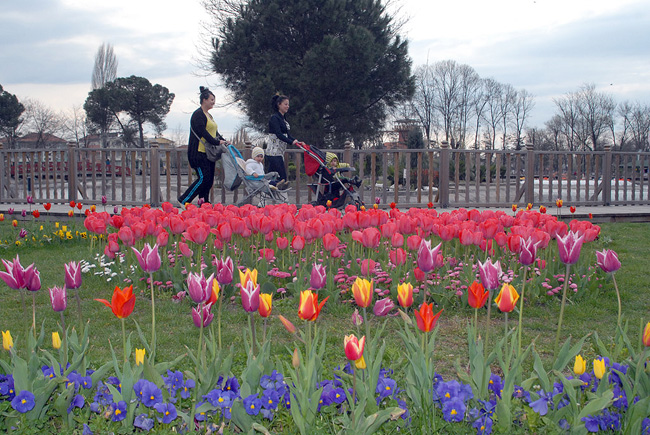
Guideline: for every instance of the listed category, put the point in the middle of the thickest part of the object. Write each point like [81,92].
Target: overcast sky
[548,47]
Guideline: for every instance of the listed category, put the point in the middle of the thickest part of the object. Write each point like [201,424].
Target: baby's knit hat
[257,151]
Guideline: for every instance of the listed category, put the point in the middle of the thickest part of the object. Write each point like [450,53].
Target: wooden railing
[444,177]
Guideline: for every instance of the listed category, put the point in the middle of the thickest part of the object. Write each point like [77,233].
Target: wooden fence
[444,177]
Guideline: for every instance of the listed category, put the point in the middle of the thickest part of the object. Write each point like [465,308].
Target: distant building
[113,140]
[37,140]
[399,135]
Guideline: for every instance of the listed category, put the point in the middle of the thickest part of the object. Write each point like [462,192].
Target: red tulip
[267,254]
[370,237]
[122,303]
[282,243]
[354,347]
[368,266]
[298,243]
[197,233]
[47,206]
[162,239]
[413,242]
[477,295]
[419,274]
[330,242]
[507,298]
[397,257]
[309,308]
[397,240]
[425,318]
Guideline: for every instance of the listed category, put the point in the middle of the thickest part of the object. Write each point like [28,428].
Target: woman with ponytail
[279,138]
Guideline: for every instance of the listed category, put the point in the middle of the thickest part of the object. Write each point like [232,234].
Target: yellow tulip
[360,363]
[362,291]
[580,365]
[7,341]
[599,368]
[139,356]
[56,340]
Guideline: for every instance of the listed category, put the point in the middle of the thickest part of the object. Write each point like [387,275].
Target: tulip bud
[383,307]
[56,340]
[405,317]
[7,341]
[295,360]
[59,298]
[646,335]
[599,368]
[318,278]
[580,365]
[357,319]
[608,260]
[139,356]
[287,324]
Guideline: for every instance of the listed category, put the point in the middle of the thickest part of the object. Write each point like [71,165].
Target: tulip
[354,347]
[250,296]
[248,275]
[14,277]
[198,232]
[362,291]
[149,258]
[56,340]
[266,304]
[214,296]
[225,270]
[367,267]
[405,294]
[646,335]
[580,365]
[397,257]
[370,237]
[490,273]
[185,249]
[202,313]
[528,251]
[572,209]
[357,319]
[122,303]
[599,368]
[7,341]
[309,308]
[267,254]
[298,243]
[295,359]
[32,279]
[318,278]
[569,247]
[282,243]
[199,287]
[425,318]
[287,324]
[507,298]
[360,363]
[58,298]
[427,257]
[608,260]
[477,295]
[72,275]
[383,307]
[139,356]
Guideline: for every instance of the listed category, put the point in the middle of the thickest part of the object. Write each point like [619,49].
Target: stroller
[234,168]
[328,185]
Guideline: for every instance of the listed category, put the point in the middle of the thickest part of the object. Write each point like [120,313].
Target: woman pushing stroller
[278,139]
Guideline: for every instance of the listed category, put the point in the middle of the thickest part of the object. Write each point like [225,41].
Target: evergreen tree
[341,62]
[10,111]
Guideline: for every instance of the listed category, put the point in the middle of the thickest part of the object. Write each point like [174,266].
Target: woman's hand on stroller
[271,176]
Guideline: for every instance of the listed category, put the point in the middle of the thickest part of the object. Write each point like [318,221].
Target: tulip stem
[34,312]
[253,332]
[475,324]
[198,366]
[354,391]
[487,323]
[65,342]
[219,320]
[124,341]
[153,321]
[618,297]
[559,323]
[521,311]
[365,320]
[81,323]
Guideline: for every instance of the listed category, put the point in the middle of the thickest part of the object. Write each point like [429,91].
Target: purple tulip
[149,258]
[23,213]
[58,298]
[104,200]
[357,319]
[383,307]
[199,287]
[10,211]
[72,275]
[202,312]
[30,199]
[32,279]
[427,257]
[14,277]
[250,297]
[490,274]
[608,260]
[569,247]
[225,270]
[318,277]
[23,233]
[528,251]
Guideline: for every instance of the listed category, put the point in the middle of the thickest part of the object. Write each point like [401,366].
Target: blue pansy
[151,394]
[23,401]
[119,411]
[270,399]
[483,426]
[143,422]
[252,404]
[78,401]
[453,409]
[495,385]
[540,405]
[187,387]
[168,411]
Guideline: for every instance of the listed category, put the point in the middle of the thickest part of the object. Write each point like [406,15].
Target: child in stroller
[255,167]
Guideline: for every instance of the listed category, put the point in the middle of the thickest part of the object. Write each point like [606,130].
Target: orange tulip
[266,304]
[249,275]
[558,203]
[405,294]
[514,207]
[646,335]
[353,347]
[476,295]
[507,298]
[214,296]
[425,318]
[287,324]
[362,291]
[309,307]
[122,303]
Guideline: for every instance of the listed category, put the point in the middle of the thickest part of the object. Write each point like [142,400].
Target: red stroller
[328,185]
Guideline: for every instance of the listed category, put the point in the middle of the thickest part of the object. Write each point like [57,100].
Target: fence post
[347,152]
[443,178]
[3,170]
[154,182]
[72,172]
[607,175]
[530,173]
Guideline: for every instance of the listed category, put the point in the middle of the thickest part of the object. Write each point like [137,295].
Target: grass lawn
[593,312]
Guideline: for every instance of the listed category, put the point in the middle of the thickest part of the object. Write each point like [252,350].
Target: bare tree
[424,98]
[493,113]
[41,120]
[596,110]
[636,123]
[74,125]
[506,101]
[481,100]
[521,109]
[105,69]
[470,93]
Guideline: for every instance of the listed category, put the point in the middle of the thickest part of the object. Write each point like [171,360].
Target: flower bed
[420,260]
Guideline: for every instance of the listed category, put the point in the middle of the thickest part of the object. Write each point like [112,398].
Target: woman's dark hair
[277,100]
[204,94]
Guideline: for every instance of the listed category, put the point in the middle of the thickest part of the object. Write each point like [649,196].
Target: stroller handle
[346,169]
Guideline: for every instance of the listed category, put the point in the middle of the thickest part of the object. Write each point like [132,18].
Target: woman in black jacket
[202,126]
[279,138]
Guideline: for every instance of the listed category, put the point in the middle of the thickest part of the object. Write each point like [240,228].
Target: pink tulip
[149,258]
[59,298]
[298,243]
[318,278]
[185,250]
[202,313]
[370,237]
[397,240]
[330,242]
[250,297]
[608,260]
[413,242]
[14,277]
[282,243]
[162,238]
[490,274]
[225,270]
[357,319]
[569,247]
[383,307]
[428,258]
[397,257]
[368,267]
[197,233]
[528,251]
[72,275]
[199,287]
[32,279]
[126,235]
[267,254]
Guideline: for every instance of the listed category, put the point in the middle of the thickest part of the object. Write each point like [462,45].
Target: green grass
[595,311]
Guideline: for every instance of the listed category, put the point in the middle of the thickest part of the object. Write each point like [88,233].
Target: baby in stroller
[255,167]
[333,163]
